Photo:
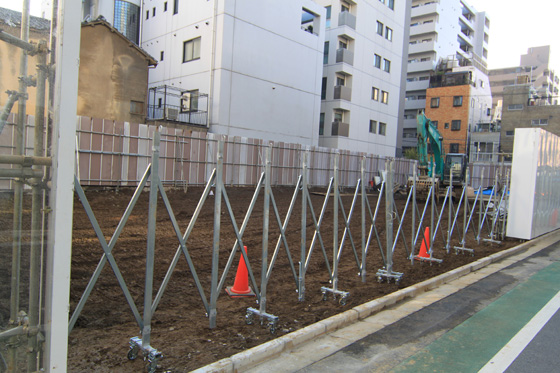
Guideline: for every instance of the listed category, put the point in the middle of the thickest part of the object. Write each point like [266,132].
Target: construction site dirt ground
[180,328]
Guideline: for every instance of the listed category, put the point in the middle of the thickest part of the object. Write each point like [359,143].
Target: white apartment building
[440,30]
[256,64]
[362,87]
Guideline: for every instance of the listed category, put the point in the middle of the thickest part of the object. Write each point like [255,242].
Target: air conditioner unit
[171,113]
[186,102]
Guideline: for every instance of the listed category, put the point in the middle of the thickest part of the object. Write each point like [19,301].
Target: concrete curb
[256,355]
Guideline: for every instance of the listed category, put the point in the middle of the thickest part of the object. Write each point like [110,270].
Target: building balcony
[347,19]
[342,92]
[426,28]
[419,85]
[424,10]
[421,47]
[340,129]
[414,104]
[414,67]
[410,123]
[344,56]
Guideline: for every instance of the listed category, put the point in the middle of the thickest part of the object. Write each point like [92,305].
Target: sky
[515,26]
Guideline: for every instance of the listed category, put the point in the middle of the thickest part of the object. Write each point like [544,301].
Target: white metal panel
[534,197]
[523,177]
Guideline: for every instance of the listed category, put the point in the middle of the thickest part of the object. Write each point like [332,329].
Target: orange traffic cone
[425,244]
[241,287]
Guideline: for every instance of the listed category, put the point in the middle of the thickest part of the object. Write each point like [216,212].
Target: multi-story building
[255,66]
[534,69]
[458,101]
[124,15]
[362,86]
[440,30]
[523,107]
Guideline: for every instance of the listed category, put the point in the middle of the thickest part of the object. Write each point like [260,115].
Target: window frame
[380,26]
[194,42]
[388,33]
[375,93]
[382,129]
[321,124]
[457,101]
[385,97]
[373,126]
[434,102]
[386,65]
[377,60]
[455,125]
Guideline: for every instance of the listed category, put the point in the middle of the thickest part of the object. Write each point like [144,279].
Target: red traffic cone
[425,244]
[241,287]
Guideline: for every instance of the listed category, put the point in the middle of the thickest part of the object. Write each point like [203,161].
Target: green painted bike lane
[469,346]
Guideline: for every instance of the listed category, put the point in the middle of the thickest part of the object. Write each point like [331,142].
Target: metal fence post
[151,242]
[335,223]
[301,289]
[364,197]
[216,238]
[266,213]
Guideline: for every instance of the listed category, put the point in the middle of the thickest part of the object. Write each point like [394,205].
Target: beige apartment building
[534,69]
[522,108]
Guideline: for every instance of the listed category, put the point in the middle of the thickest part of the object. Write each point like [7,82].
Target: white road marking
[503,359]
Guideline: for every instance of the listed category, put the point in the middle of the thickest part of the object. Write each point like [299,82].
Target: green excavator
[436,163]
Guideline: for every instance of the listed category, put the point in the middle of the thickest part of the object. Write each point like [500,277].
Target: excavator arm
[428,135]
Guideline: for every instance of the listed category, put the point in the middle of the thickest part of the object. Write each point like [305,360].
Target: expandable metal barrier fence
[494,209]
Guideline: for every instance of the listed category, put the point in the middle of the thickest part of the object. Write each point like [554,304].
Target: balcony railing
[347,19]
[174,114]
[342,92]
[340,129]
[344,55]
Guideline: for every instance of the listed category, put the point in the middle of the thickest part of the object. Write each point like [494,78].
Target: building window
[189,101]
[435,123]
[424,78]
[382,128]
[165,6]
[324,89]
[386,65]
[455,125]
[338,116]
[191,50]
[137,107]
[344,7]
[388,34]
[161,55]
[153,11]
[326,53]
[375,93]
[328,22]
[147,14]
[515,107]
[434,102]
[340,80]
[454,148]
[321,124]
[384,97]
[472,102]
[457,100]
[446,126]
[377,61]
[159,102]
[308,21]
[372,126]
[509,133]
[539,122]
[175,6]
[379,28]
[391,4]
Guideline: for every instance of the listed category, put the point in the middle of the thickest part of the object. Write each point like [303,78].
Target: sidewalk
[405,335]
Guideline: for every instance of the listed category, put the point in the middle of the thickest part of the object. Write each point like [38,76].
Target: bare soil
[180,327]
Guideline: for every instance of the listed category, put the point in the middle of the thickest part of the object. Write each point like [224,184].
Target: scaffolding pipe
[36,248]
[18,187]
[12,98]
[25,160]
[22,43]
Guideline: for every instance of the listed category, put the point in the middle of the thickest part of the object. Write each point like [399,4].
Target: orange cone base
[233,294]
